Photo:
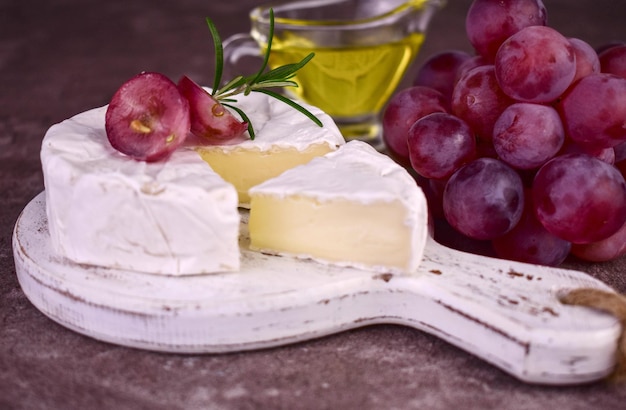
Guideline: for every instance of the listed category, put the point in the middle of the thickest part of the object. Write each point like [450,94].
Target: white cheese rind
[173,217]
[357,172]
[278,125]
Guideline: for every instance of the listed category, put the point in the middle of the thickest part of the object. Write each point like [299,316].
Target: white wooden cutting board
[507,313]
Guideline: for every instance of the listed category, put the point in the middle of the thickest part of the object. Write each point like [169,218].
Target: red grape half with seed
[210,119]
[147,118]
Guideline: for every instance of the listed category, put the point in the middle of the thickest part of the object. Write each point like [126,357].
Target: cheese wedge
[284,138]
[353,207]
[173,217]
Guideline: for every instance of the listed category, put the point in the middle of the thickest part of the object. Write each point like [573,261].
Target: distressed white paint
[504,312]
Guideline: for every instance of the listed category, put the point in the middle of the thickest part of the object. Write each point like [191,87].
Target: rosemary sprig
[259,82]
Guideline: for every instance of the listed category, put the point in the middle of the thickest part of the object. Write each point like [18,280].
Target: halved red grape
[488,23]
[210,120]
[536,64]
[403,109]
[147,118]
[484,199]
[580,198]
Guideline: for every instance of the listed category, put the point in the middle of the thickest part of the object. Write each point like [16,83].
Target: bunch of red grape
[524,143]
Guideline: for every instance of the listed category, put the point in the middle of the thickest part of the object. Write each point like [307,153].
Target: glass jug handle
[242,56]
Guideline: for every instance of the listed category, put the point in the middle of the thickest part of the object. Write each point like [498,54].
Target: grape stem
[259,82]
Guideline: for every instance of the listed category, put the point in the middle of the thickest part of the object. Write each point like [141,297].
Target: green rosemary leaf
[270,38]
[219,54]
[227,100]
[259,82]
[293,104]
[233,84]
[272,84]
[244,117]
[285,71]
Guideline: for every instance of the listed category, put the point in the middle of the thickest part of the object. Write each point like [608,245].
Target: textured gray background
[58,58]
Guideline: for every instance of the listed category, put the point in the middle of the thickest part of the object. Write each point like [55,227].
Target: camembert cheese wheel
[172,217]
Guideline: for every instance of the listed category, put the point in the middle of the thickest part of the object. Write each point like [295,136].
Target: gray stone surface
[63,57]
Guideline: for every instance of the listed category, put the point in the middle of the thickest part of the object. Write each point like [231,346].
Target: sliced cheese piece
[284,138]
[353,207]
[173,217]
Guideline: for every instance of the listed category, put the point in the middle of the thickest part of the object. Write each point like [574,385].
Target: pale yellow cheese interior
[373,234]
[245,168]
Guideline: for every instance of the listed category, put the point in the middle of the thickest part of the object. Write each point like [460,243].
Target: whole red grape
[403,109]
[536,64]
[439,144]
[605,250]
[580,198]
[530,242]
[488,23]
[526,135]
[613,61]
[473,62]
[594,111]
[484,199]
[587,61]
[440,71]
[604,154]
[479,100]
